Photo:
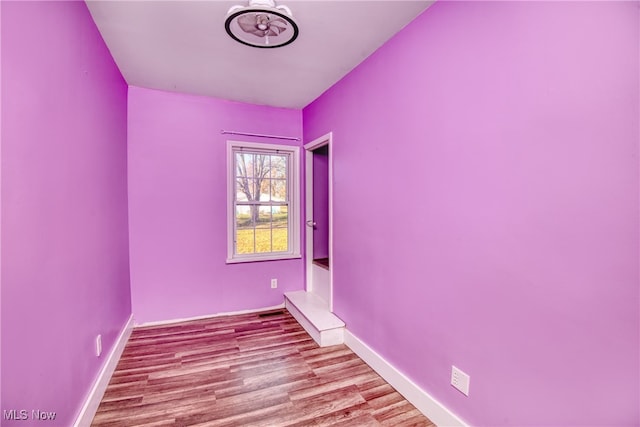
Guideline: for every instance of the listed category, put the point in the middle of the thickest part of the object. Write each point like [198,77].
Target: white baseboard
[209,316]
[92,402]
[430,407]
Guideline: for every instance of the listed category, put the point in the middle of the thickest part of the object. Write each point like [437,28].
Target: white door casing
[319,280]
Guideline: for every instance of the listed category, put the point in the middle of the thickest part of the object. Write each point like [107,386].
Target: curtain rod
[232,132]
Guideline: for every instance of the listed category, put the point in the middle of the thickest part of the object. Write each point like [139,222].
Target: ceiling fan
[261,24]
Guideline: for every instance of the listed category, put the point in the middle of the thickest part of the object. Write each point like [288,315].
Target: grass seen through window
[268,234]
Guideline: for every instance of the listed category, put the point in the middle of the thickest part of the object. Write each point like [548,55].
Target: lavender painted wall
[497,227]
[177,207]
[321,202]
[65,271]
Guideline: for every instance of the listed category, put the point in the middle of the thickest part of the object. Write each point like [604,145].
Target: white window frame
[293,181]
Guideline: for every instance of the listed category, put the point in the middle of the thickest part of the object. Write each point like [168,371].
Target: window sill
[263,258]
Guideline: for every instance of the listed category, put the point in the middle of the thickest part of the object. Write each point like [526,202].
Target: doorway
[319,230]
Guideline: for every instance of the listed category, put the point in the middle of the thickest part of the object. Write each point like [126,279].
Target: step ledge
[315,310]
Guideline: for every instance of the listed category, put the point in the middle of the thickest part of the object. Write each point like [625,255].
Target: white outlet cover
[460,380]
[274,283]
[98,345]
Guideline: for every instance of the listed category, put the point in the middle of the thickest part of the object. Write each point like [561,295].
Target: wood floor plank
[347,416]
[365,420]
[258,369]
[393,410]
[412,418]
[249,418]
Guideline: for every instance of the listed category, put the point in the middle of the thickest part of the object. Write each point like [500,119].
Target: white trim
[209,316]
[308,164]
[428,405]
[274,257]
[88,411]
[319,142]
[293,180]
[311,313]
[321,278]
[330,143]
[327,140]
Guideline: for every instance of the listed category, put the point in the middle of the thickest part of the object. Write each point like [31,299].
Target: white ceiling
[182,46]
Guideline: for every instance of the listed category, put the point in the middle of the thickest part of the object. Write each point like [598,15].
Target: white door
[319,218]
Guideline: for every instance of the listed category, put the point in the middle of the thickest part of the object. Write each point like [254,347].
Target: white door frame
[309,147]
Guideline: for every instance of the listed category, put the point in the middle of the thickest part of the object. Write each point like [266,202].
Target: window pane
[255,189]
[279,190]
[265,186]
[279,166]
[247,189]
[264,217]
[280,216]
[263,240]
[243,217]
[245,165]
[280,240]
[261,167]
[244,230]
[245,241]
[281,229]
[242,186]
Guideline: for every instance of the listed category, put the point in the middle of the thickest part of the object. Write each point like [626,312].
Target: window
[263,199]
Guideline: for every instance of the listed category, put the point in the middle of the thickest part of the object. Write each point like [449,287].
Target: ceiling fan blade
[247,23]
[279,23]
[271,32]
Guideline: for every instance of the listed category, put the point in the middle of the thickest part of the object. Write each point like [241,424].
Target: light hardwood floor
[258,369]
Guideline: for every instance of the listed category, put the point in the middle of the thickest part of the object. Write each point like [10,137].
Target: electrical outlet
[98,345]
[274,283]
[460,380]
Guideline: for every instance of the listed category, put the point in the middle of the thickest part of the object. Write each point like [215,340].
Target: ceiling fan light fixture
[261,24]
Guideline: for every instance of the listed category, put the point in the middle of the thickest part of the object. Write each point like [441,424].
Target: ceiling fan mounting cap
[262,3]
[266,5]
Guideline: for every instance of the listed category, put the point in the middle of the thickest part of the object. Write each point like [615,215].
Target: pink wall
[177,207]
[486,207]
[65,271]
